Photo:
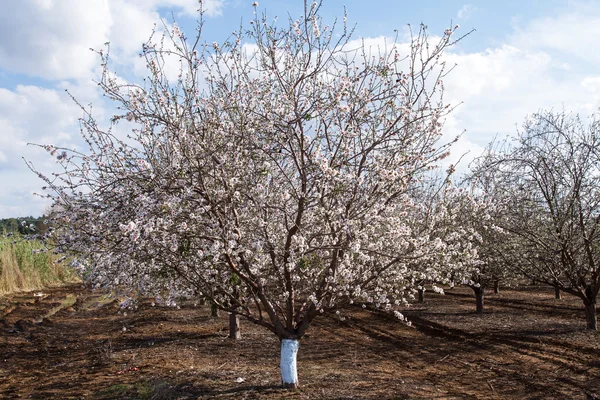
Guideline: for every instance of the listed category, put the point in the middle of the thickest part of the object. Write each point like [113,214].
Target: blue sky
[524,56]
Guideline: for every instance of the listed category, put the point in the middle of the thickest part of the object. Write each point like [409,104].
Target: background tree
[434,225]
[549,177]
[482,263]
[463,239]
[8,225]
[268,177]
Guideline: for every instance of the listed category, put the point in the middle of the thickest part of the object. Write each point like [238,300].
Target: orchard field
[300,180]
[71,343]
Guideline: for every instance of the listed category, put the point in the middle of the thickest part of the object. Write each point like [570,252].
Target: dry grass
[24,267]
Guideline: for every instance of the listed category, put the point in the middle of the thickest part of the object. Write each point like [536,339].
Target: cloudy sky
[525,55]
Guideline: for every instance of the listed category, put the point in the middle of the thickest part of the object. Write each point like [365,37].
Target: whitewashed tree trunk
[234,326]
[289,372]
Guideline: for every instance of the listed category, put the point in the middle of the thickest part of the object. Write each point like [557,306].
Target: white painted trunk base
[289,372]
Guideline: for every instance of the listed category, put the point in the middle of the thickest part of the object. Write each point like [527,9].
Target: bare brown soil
[74,344]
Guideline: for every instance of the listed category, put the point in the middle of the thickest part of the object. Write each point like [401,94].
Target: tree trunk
[289,372]
[590,316]
[421,293]
[496,286]
[234,326]
[478,298]
[556,291]
[214,311]
[590,308]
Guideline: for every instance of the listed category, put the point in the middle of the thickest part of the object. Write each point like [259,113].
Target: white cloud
[31,114]
[37,114]
[500,86]
[465,12]
[573,34]
[212,8]
[18,200]
[591,84]
[54,42]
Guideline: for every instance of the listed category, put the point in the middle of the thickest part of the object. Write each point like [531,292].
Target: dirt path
[68,343]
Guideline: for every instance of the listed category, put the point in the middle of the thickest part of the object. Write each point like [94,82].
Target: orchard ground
[70,343]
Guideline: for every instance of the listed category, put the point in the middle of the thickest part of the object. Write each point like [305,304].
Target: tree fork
[557,295]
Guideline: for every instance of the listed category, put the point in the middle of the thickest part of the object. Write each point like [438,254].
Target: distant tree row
[545,183]
[25,225]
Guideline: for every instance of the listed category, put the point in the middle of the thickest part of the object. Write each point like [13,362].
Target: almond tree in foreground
[271,176]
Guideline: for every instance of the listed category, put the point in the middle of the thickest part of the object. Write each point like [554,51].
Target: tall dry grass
[23,267]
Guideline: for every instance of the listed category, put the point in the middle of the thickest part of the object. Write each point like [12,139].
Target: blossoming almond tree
[267,177]
[439,241]
[459,239]
[550,177]
[475,232]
